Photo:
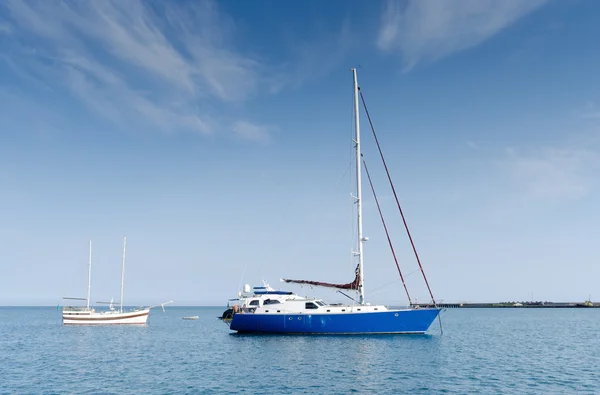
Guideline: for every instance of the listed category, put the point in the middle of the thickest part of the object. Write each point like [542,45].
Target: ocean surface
[484,351]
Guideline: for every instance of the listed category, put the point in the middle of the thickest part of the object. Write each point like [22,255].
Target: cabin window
[320,303]
[254,303]
[311,305]
[271,301]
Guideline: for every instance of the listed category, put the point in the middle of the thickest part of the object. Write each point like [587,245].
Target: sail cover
[352,286]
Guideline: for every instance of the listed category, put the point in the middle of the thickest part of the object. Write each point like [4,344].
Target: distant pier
[537,305]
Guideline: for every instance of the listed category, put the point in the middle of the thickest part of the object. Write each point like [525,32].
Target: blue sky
[216,137]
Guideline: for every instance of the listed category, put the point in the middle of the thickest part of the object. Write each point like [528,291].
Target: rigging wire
[386,230]
[397,201]
[400,209]
[382,287]
[413,272]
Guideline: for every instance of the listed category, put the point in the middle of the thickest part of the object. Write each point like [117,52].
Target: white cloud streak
[591,111]
[116,58]
[5,28]
[169,66]
[553,174]
[472,145]
[427,30]
[250,131]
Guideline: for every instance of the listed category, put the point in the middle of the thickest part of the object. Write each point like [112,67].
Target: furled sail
[352,286]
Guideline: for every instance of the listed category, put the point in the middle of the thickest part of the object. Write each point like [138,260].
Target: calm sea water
[481,351]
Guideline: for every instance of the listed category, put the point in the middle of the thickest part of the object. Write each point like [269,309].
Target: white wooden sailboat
[89,316]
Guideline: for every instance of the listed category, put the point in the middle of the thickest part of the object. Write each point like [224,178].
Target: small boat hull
[136,317]
[409,321]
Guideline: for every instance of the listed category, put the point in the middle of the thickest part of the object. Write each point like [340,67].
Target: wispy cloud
[472,145]
[427,30]
[125,63]
[253,132]
[5,28]
[553,174]
[590,110]
[168,66]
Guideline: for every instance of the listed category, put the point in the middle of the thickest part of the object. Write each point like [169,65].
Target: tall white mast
[89,276]
[358,198]
[123,272]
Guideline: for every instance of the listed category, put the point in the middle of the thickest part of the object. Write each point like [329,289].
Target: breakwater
[538,305]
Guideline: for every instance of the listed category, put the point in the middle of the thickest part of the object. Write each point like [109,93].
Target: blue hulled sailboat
[265,310]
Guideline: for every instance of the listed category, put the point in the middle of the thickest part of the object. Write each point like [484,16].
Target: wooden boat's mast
[123,272]
[89,276]
[358,197]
